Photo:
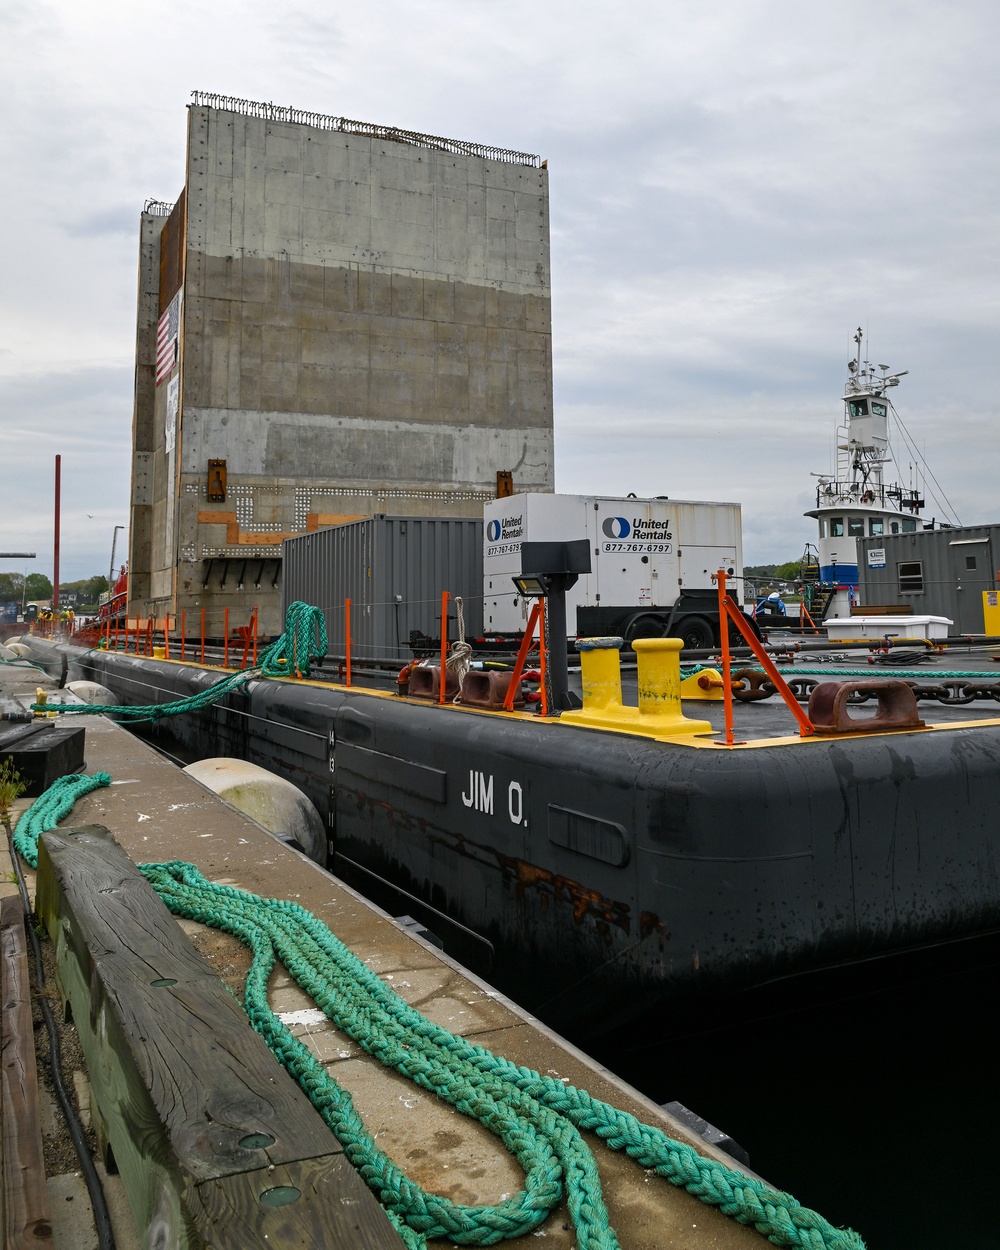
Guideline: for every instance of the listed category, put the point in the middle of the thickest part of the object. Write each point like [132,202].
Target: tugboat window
[909,525]
[859,407]
[856,526]
[895,527]
[878,410]
[876,527]
[910,574]
[836,527]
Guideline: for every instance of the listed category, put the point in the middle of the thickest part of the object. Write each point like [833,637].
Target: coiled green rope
[304,639]
[538,1118]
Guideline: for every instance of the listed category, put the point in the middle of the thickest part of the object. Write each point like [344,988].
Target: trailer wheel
[695,632]
[644,627]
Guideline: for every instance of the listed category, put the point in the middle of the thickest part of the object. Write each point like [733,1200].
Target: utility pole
[55,554]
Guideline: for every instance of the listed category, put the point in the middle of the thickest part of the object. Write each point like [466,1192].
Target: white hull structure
[855,502]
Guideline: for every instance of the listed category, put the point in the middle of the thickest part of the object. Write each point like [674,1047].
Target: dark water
[874,1097]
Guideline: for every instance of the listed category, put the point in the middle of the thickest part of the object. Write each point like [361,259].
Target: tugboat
[854,501]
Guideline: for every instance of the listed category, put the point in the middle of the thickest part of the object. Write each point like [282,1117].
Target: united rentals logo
[507,527]
[619,527]
[616,527]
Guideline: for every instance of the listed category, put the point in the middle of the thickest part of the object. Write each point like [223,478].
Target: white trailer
[652,562]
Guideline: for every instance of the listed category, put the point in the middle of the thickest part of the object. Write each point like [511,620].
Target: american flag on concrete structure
[167,338]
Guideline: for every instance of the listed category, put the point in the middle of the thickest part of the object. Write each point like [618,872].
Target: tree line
[789,572]
[16,588]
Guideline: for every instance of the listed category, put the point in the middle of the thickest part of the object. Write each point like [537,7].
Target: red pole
[166,637]
[183,633]
[55,552]
[225,645]
[203,635]
[255,635]
[347,628]
[444,645]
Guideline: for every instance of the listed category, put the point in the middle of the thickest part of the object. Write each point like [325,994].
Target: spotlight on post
[548,570]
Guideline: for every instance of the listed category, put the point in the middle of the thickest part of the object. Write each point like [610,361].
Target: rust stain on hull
[584,902]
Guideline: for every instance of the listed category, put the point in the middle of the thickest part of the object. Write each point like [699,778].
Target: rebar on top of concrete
[391,134]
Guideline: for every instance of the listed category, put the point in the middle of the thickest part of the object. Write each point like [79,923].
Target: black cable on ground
[102,1218]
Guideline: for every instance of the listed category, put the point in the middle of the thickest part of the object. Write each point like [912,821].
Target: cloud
[735,186]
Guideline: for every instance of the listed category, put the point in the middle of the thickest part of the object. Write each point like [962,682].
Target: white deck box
[846,628]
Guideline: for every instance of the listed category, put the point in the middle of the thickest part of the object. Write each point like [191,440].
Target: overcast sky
[736,185]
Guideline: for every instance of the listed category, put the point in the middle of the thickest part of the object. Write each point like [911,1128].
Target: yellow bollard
[601,673]
[659,661]
[659,711]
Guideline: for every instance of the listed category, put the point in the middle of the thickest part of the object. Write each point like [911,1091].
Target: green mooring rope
[304,640]
[537,1117]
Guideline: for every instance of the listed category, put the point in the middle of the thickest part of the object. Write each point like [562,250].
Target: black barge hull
[595,874]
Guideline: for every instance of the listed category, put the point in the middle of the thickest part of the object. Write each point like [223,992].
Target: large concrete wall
[367,328]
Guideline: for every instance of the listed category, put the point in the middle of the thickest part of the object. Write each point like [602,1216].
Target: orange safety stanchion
[727,685]
[203,635]
[255,635]
[183,633]
[347,635]
[444,645]
[166,637]
[729,609]
[150,630]
[225,644]
[542,667]
[522,656]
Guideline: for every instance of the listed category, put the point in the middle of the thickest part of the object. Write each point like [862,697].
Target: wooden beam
[25,1194]
[202,1120]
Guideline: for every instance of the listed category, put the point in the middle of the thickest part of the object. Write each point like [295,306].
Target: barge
[605,861]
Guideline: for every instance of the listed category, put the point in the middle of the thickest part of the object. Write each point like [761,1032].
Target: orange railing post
[727,685]
[166,636]
[347,638]
[255,635]
[225,644]
[522,656]
[542,667]
[444,645]
[728,609]
[183,633]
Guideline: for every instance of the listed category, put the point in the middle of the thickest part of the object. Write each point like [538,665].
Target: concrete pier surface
[158,813]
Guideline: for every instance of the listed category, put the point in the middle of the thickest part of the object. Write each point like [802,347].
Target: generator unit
[652,563]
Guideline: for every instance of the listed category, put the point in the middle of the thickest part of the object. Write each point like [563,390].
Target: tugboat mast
[855,501]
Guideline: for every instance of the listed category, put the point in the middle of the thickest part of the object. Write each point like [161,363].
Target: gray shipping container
[938,572]
[393,569]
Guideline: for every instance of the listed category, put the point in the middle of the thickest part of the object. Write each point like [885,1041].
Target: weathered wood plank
[195,1107]
[26,1198]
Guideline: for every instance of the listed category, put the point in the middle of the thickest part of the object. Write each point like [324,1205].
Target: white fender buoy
[266,798]
[22,651]
[92,692]
[7,654]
